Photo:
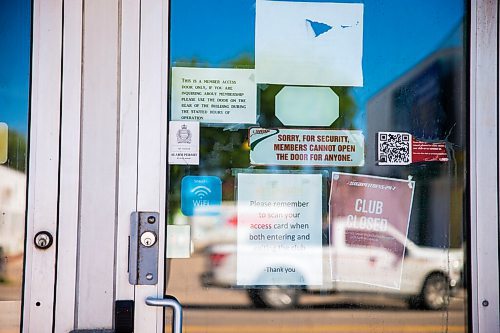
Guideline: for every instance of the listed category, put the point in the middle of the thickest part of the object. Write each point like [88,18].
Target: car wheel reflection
[435,293]
[274,297]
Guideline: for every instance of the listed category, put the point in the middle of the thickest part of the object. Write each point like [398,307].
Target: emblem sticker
[184,134]
[184,143]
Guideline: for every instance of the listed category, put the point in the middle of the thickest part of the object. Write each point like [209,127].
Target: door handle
[174,304]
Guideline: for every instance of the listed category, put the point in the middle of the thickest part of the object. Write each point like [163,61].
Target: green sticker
[4,138]
[307,106]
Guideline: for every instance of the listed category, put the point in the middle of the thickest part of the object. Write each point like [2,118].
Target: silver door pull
[169,302]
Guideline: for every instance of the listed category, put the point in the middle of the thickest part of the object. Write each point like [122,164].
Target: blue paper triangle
[319,27]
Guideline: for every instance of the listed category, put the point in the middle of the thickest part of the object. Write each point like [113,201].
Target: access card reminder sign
[313,147]
[279,229]
[369,219]
[214,95]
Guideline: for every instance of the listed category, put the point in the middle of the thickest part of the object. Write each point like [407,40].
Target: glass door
[14,96]
[317,165]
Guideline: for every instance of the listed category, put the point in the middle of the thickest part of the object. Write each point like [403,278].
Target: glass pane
[329,180]
[15,25]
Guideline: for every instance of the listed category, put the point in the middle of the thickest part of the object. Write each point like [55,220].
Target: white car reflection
[212,225]
[425,277]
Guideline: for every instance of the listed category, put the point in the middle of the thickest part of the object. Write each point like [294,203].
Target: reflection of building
[428,102]
[12,208]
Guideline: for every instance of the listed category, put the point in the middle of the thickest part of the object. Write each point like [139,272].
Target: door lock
[43,240]
[144,248]
[148,238]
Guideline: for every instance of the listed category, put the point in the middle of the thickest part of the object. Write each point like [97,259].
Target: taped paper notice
[178,241]
[400,148]
[369,218]
[214,95]
[279,229]
[306,147]
[184,143]
[312,43]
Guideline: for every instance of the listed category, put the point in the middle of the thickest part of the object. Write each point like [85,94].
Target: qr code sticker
[394,148]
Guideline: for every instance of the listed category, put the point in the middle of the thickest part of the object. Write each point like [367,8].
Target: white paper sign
[214,95]
[309,43]
[285,146]
[184,143]
[279,229]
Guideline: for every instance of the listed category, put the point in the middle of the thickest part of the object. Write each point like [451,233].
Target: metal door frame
[54,189]
[483,174]
[97,66]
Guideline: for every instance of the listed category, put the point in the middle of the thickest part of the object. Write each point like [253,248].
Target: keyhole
[148,239]
[43,240]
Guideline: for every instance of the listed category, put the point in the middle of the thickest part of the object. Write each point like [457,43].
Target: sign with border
[313,147]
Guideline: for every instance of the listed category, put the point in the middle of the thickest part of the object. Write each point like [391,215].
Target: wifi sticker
[201,195]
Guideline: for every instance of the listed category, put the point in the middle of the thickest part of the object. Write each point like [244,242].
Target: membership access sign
[214,95]
[313,147]
[369,219]
[279,229]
